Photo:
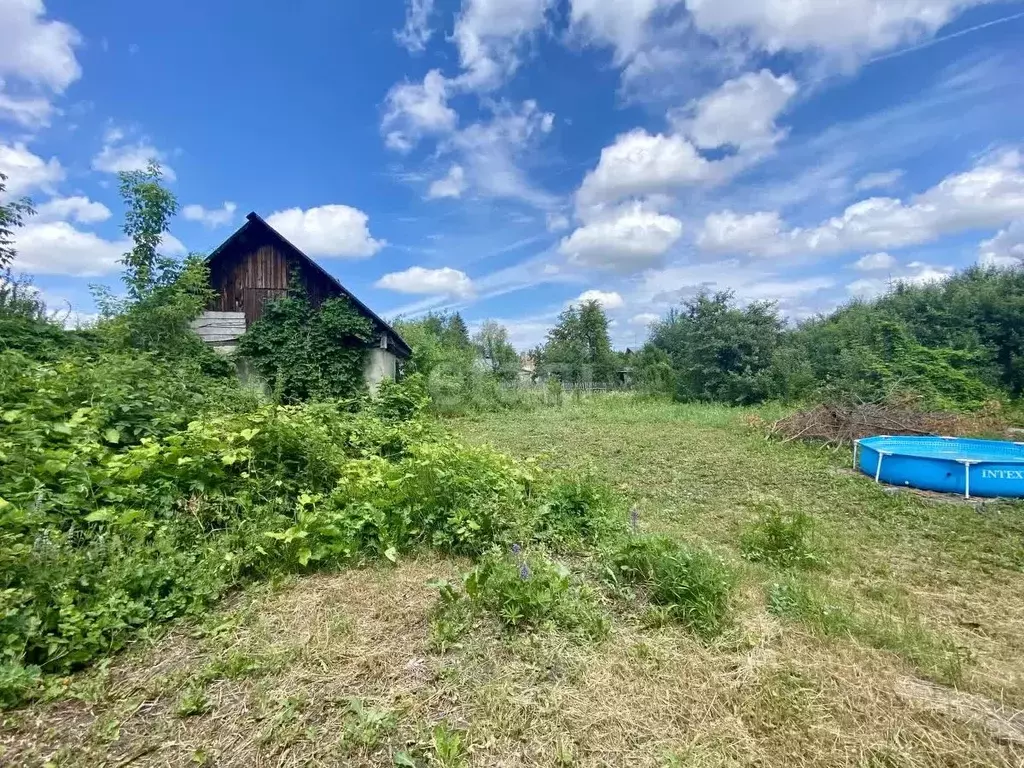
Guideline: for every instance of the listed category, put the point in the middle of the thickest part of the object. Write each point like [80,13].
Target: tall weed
[522,591]
[694,587]
[784,540]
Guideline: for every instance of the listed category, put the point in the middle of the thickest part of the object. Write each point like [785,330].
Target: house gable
[256,265]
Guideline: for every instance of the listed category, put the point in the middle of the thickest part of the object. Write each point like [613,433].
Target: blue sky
[507,157]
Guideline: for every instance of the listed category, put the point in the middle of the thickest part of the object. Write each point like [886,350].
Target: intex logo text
[1003,474]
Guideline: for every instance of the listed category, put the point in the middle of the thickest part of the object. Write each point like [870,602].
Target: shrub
[694,587]
[401,401]
[138,507]
[780,539]
[523,591]
[577,511]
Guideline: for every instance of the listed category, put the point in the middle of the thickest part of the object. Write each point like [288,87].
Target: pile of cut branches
[840,424]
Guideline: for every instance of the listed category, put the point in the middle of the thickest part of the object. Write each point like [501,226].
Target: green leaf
[249,434]
[99,516]
[404,759]
[112,436]
[391,554]
[304,555]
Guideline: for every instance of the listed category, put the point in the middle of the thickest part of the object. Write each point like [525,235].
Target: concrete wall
[380,364]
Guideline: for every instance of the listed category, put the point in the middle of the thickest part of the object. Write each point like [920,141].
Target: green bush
[694,587]
[401,401]
[953,344]
[577,511]
[523,590]
[134,490]
[780,539]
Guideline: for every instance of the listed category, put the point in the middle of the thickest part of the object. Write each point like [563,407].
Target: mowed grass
[865,628]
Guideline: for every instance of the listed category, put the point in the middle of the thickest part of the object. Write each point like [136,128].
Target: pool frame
[987,478]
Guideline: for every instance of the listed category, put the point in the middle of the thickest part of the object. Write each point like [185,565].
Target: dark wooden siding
[253,273]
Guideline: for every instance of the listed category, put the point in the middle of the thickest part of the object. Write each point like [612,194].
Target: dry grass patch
[319,672]
[336,670]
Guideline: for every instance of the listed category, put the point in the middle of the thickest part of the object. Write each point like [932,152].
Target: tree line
[954,344]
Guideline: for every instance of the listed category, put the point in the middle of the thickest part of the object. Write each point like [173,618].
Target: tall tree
[719,351]
[493,344]
[149,208]
[456,333]
[12,216]
[578,347]
[594,330]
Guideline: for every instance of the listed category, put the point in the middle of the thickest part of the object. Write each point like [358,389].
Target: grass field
[867,628]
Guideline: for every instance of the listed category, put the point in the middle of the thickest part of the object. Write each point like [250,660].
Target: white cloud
[846,30]
[644,319]
[415,110]
[623,24]
[740,113]
[330,230]
[608,300]
[434,282]
[37,50]
[883,180]
[639,163]
[627,240]
[416,33]
[875,261]
[212,218]
[118,156]
[989,195]
[728,231]
[1006,249]
[451,185]
[491,152]
[489,33]
[58,248]
[661,289]
[77,208]
[26,171]
[919,274]
[26,111]
[557,222]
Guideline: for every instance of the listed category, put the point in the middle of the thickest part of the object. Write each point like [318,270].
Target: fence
[583,386]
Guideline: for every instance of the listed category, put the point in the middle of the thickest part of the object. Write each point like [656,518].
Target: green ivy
[309,353]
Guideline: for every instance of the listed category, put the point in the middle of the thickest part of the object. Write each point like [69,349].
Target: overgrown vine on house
[309,353]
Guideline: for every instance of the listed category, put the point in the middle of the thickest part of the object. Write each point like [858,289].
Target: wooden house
[255,265]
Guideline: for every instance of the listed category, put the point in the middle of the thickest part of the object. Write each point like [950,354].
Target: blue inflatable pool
[945,464]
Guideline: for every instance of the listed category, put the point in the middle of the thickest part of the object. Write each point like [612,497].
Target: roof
[255,223]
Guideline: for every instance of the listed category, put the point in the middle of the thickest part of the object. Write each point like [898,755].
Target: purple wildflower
[517,550]
[634,518]
[524,571]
